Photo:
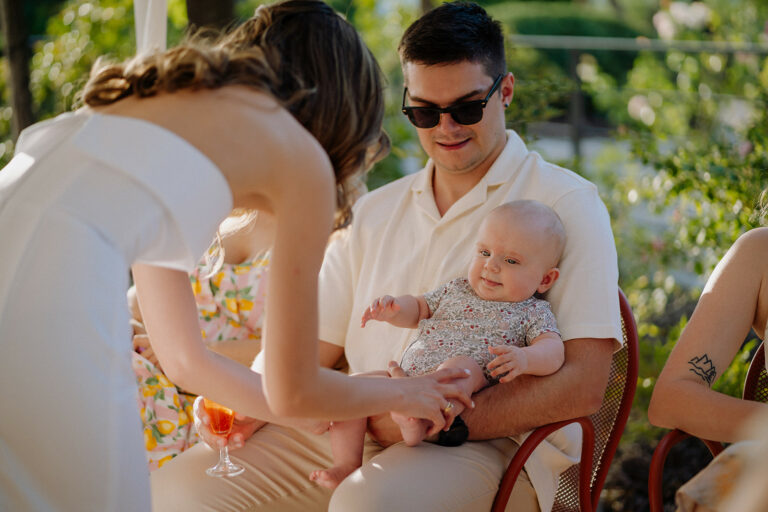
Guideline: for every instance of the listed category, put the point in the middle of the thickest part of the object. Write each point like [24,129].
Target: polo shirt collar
[501,171]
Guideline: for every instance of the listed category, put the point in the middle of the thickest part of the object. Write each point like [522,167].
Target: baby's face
[510,261]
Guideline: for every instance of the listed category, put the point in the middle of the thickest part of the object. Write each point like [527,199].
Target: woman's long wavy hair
[301,52]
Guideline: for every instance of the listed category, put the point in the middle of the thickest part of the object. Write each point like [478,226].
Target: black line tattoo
[703,367]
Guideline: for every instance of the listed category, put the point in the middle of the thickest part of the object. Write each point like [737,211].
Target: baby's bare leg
[347,441]
[414,430]
[347,438]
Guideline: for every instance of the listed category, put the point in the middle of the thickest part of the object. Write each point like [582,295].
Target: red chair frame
[755,388]
[590,477]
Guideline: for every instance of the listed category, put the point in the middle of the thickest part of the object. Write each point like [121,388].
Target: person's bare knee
[476,380]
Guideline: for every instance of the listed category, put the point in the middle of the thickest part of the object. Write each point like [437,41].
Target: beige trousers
[278,461]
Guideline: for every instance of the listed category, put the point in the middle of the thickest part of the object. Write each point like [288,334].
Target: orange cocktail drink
[221,422]
[221,417]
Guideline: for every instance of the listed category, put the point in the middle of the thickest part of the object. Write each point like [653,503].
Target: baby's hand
[382,309]
[510,359]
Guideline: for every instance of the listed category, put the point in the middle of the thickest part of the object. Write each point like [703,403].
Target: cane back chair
[580,485]
[755,389]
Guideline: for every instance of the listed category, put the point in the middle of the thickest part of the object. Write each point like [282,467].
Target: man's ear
[548,280]
[507,89]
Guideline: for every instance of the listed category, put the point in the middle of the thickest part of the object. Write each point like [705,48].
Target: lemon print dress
[230,304]
[85,197]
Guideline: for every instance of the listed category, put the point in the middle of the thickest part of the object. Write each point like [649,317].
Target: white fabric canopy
[151,25]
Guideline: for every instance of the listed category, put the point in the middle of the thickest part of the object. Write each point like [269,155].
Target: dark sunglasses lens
[424,117]
[467,114]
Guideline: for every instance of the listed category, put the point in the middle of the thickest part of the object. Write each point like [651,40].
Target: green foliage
[695,129]
[569,19]
[542,89]
[705,153]
[244,9]
[732,381]
[81,32]
[75,38]
[554,3]
[381,29]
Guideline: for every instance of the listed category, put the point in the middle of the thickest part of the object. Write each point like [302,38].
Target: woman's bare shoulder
[755,238]
[751,249]
[246,133]
[242,122]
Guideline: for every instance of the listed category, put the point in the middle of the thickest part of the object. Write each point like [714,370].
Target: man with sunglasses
[414,233]
[408,237]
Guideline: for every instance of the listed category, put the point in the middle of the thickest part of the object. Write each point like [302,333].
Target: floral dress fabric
[464,324]
[231,306]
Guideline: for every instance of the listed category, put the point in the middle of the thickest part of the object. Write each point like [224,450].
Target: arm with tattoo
[734,301]
[703,367]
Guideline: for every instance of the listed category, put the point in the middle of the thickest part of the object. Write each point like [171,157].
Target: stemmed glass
[221,424]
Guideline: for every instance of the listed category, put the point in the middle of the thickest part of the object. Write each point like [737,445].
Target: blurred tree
[16,47]
[38,13]
[210,13]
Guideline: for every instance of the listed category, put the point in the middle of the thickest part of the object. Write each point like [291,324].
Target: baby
[490,323]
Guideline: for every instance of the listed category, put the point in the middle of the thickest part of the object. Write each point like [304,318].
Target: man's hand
[383,309]
[242,428]
[509,359]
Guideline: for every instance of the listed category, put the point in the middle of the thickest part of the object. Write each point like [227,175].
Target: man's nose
[447,123]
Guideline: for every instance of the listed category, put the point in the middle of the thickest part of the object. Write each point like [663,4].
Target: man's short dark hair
[455,32]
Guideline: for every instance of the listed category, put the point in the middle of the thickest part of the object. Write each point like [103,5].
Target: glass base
[221,470]
[225,467]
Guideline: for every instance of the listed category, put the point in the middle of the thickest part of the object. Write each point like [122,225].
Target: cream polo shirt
[398,244]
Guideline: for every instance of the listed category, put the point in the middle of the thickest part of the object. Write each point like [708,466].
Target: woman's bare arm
[734,300]
[275,166]
[295,384]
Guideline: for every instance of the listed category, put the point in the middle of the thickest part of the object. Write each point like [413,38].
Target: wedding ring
[447,408]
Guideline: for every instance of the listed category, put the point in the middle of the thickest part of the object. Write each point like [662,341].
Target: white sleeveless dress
[85,197]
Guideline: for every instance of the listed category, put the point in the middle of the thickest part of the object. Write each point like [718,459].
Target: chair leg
[656,473]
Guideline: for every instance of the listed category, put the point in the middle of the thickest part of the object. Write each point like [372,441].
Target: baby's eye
[511,261]
[485,253]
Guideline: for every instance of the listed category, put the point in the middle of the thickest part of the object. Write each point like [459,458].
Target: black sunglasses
[468,112]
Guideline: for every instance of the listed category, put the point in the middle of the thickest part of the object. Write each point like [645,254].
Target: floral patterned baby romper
[464,324]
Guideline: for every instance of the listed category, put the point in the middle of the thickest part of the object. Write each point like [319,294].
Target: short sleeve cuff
[596,331]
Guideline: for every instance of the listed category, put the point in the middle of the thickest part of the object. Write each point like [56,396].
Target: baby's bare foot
[414,430]
[331,477]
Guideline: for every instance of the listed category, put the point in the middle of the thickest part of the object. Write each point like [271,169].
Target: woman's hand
[428,395]
[242,428]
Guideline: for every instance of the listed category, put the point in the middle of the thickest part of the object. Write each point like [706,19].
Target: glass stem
[224,456]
